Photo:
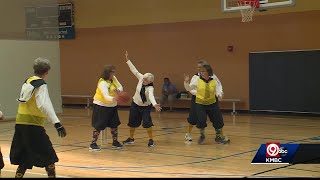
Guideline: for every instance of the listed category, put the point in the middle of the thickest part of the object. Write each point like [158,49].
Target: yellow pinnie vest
[206,92]
[112,87]
[28,112]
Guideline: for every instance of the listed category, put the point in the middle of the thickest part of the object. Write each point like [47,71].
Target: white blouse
[149,89]
[103,86]
[191,87]
[44,103]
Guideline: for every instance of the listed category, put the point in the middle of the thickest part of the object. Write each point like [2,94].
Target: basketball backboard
[233,5]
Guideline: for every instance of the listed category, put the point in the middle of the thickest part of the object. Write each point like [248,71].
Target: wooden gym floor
[172,157]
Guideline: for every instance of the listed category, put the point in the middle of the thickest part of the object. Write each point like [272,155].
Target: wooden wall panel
[172,49]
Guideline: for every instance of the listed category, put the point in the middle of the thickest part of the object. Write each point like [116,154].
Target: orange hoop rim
[252,3]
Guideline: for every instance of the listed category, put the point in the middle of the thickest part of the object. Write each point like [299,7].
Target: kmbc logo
[274,152]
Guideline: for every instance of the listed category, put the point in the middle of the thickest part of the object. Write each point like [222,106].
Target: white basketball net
[248,12]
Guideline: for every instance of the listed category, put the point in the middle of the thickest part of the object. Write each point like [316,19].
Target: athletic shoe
[188,137]
[116,144]
[151,143]
[128,141]
[222,140]
[94,147]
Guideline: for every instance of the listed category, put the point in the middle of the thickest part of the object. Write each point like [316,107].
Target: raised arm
[194,80]
[192,86]
[132,67]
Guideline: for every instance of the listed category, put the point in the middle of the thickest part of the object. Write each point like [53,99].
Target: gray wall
[16,58]
[13,19]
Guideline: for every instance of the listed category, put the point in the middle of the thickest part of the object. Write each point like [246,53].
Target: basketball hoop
[248,12]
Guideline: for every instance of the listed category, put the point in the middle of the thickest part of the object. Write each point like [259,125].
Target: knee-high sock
[202,132]
[95,135]
[189,128]
[132,130]
[51,171]
[114,133]
[20,171]
[149,131]
[219,132]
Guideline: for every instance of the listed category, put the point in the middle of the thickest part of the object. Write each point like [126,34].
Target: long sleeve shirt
[44,103]
[103,86]
[191,87]
[169,89]
[149,89]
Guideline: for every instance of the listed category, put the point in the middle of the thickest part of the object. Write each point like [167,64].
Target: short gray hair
[41,66]
[149,77]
